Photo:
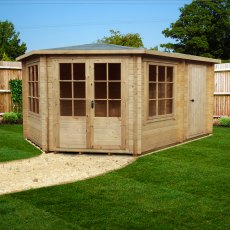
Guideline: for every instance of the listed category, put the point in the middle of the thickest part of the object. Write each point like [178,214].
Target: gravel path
[53,169]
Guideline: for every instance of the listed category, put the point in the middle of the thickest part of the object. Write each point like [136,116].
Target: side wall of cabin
[35,113]
[158,133]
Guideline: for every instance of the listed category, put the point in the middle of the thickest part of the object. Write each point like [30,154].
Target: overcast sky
[55,23]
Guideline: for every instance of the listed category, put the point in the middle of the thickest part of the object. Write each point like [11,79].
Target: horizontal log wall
[8,71]
[222,90]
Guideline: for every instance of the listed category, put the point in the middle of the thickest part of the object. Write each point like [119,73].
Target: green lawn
[12,144]
[186,187]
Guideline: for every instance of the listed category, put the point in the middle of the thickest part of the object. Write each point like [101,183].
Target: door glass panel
[65,90]
[79,89]
[114,90]
[100,90]
[100,72]
[65,71]
[66,107]
[114,108]
[115,71]
[107,88]
[100,108]
[79,71]
[79,108]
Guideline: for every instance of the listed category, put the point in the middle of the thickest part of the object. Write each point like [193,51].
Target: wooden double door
[91,105]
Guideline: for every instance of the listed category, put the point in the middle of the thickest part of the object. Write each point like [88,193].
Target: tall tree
[203,28]
[10,46]
[129,39]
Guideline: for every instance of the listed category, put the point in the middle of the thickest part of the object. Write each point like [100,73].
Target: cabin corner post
[43,103]
[209,98]
[137,105]
[181,98]
[25,99]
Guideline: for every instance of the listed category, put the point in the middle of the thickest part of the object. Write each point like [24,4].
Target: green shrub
[224,121]
[16,94]
[12,118]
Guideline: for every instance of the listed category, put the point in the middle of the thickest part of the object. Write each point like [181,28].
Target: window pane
[79,89]
[161,107]
[114,90]
[152,73]
[152,108]
[169,74]
[38,104]
[66,108]
[79,108]
[169,90]
[100,108]
[161,90]
[114,108]
[152,90]
[30,89]
[34,105]
[31,73]
[36,91]
[100,90]
[169,106]
[100,71]
[36,73]
[79,71]
[65,90]
[114,71]
[65,71]
[161,73]
[31,104]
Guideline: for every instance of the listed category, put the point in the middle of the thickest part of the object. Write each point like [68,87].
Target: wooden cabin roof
[110,49]
[97,46]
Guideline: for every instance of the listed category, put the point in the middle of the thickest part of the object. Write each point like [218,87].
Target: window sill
[32,114]
[160,118]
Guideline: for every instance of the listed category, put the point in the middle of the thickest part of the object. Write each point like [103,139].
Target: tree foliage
[129,39]
[203,28]
[10,46]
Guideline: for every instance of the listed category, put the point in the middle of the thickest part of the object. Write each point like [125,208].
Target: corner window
[160,98]
[33,89]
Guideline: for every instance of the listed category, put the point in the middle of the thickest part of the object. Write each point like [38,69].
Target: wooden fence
[222,90]
[8,71]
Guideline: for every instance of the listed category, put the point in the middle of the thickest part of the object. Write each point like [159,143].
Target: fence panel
[8,71]
[222,90]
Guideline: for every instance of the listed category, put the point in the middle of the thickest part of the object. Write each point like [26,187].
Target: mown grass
[186,187]
[12,144]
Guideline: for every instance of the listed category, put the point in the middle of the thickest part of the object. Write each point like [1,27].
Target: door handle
[192,100]
[92,104]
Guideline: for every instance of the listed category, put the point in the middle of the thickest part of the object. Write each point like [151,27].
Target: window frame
[164,116]
[72,81]
[33,85]
[108,99]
